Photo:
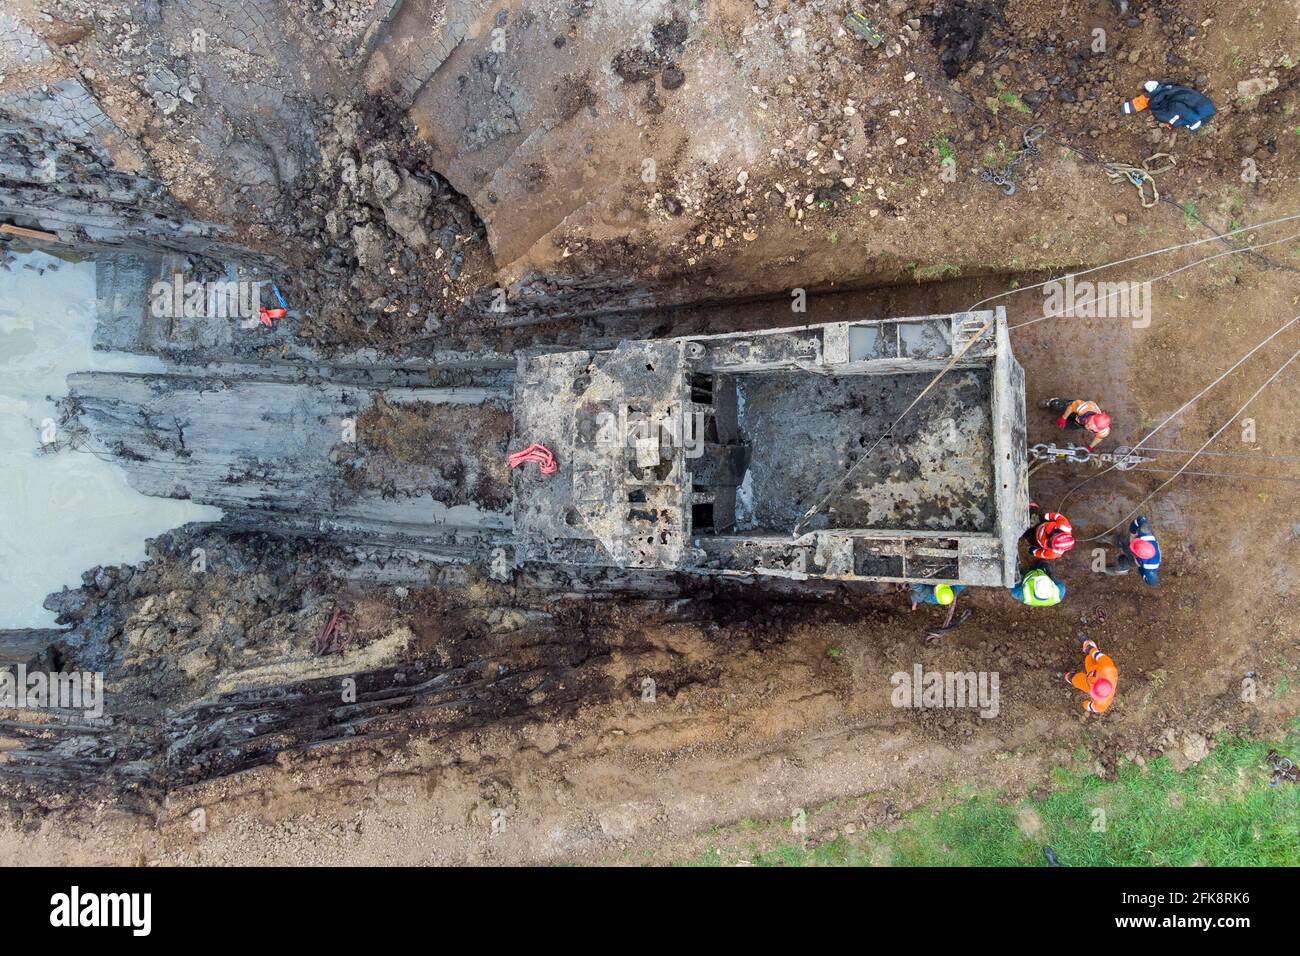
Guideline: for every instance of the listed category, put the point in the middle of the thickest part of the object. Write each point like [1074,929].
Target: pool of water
[65,512]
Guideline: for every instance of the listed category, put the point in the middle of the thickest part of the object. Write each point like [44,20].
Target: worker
[1098,679]
[1173,105]
[944,595]
[1081,414]
[1050,534]
[1038,588]
[1139,549]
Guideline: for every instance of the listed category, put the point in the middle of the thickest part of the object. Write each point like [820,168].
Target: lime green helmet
[943,593]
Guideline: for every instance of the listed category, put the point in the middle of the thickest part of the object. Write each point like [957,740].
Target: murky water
[68,511]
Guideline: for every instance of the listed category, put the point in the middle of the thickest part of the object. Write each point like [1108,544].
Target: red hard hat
[1062,541]
[1143,548]
[1102,688]
[1098,422]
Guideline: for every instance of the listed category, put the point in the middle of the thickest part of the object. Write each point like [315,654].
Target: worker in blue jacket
[1172,105]
[944,595]
[1139,549]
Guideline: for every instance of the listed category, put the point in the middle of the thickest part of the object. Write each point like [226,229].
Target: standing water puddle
[64,512]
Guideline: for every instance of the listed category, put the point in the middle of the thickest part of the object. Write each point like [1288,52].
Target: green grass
[942,270]
[942,145]
[998,158]
[1007,97]
[1221,812]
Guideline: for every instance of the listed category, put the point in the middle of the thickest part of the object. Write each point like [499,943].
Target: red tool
[266,315]
[538,453]
[329,640]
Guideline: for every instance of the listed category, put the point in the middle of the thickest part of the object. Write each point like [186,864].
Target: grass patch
[942,145]
[1221,812]
[998,158]
[1005,97]
[942,270]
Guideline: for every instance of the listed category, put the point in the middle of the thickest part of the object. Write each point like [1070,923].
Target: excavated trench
[345,481]
[356,448]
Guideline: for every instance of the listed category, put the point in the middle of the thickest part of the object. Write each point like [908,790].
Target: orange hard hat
[1102,688]
[1098,422]
[1143,548]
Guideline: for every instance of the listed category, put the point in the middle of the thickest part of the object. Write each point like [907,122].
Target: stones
[1195,748]
[385,179]
[162,80]
[370,246]
[1256,86]
[166,102]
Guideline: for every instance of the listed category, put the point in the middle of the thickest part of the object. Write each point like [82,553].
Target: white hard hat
[1044,587]
[1150,85]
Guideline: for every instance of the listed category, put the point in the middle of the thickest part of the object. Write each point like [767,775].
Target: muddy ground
[544,743]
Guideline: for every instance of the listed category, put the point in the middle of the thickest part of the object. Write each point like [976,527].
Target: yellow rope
[1142,176]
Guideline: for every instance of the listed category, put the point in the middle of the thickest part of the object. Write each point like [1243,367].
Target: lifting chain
[1122,458]
[1007,179]
[1283,769]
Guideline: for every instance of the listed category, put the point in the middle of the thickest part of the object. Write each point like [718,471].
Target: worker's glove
[1061,421]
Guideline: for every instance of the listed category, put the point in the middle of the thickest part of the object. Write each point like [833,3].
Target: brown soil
[425,444]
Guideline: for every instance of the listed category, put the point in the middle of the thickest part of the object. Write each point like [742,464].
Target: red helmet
[1061,541]
[1143,548]
[1098,422]
[1102,688]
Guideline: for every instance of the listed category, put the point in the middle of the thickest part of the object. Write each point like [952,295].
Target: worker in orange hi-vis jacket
[1081,414]
[1098,679]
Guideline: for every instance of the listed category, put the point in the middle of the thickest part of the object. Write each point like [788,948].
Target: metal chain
[1006,178]
[1122,458]
[1283,769]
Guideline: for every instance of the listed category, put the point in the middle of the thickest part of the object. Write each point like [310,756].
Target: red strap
[538,453]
